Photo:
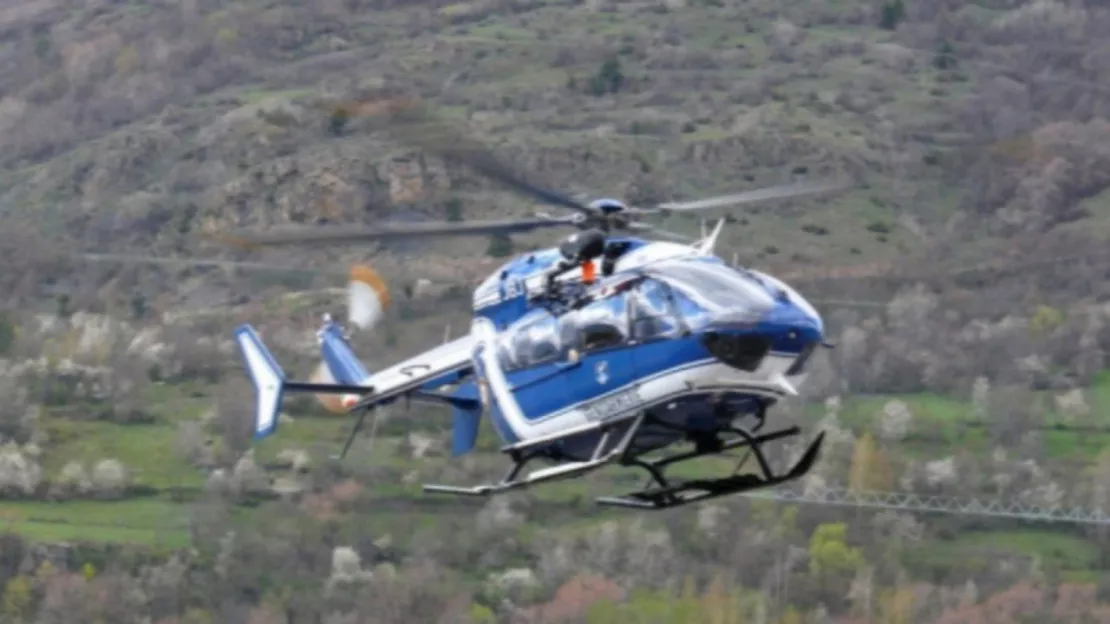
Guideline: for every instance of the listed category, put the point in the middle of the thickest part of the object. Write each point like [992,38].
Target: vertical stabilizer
[266,376]
[341,361]
[466,419]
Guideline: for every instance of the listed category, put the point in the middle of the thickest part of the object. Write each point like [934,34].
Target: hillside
[135,126]
[962,277]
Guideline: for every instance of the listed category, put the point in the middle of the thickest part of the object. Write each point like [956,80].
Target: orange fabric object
[588,272]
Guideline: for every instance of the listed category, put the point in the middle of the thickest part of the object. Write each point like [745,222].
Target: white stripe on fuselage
[649,391]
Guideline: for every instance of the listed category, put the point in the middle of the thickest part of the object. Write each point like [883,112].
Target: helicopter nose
[742,341]
[790,327]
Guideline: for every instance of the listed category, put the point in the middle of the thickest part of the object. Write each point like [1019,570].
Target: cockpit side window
[693,314]
[531,344]
[603,324]
[653,313]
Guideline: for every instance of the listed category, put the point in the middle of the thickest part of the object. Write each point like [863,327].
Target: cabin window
[604,323]
[532,343]
[714,288]
[693,314]
[652,311]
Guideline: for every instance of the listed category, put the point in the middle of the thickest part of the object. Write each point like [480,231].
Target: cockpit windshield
[715,287]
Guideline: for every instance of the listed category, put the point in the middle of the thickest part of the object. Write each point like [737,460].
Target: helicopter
[601,351]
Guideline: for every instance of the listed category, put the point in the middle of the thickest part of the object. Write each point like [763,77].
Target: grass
[942,426]
[147,521]
[1069,556]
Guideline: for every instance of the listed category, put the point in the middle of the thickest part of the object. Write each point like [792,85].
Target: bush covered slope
[973,132]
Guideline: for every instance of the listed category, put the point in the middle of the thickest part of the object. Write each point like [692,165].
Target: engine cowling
[583,246]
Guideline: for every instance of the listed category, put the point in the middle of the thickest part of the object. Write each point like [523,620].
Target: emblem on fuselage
[601,372]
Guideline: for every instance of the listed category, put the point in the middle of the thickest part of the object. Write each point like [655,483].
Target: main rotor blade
[340,234]
[747,197]
[414,123]
[649,229]
[199,262]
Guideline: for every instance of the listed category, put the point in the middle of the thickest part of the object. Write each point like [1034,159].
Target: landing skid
[666,494]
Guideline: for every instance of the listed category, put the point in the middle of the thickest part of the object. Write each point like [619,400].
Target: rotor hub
[608,206]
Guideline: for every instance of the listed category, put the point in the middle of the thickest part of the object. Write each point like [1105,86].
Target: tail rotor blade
[367,297]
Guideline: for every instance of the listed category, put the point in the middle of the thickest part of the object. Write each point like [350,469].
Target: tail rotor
[367,300]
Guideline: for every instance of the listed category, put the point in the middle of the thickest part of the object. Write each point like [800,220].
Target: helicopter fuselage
[686,385]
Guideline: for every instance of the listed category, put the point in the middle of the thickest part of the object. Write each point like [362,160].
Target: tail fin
[340,366]
[466,417]
[267,377]
[341,361]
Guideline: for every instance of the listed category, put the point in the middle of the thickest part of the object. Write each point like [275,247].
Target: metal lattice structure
[922,503]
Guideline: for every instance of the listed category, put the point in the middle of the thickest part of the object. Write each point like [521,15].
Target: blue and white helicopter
[606,350]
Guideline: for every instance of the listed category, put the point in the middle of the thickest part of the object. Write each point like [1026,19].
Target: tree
[829,553]
[453,208]
[896,605]
[17,598]
[7,334]
[337,123]
[609,77]
[870,470]
[945,57]
[894,11]
[500,246]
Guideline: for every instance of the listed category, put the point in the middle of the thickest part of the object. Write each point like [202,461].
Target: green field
[941,427]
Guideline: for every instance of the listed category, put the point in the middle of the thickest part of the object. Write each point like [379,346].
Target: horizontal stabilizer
[267,377]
